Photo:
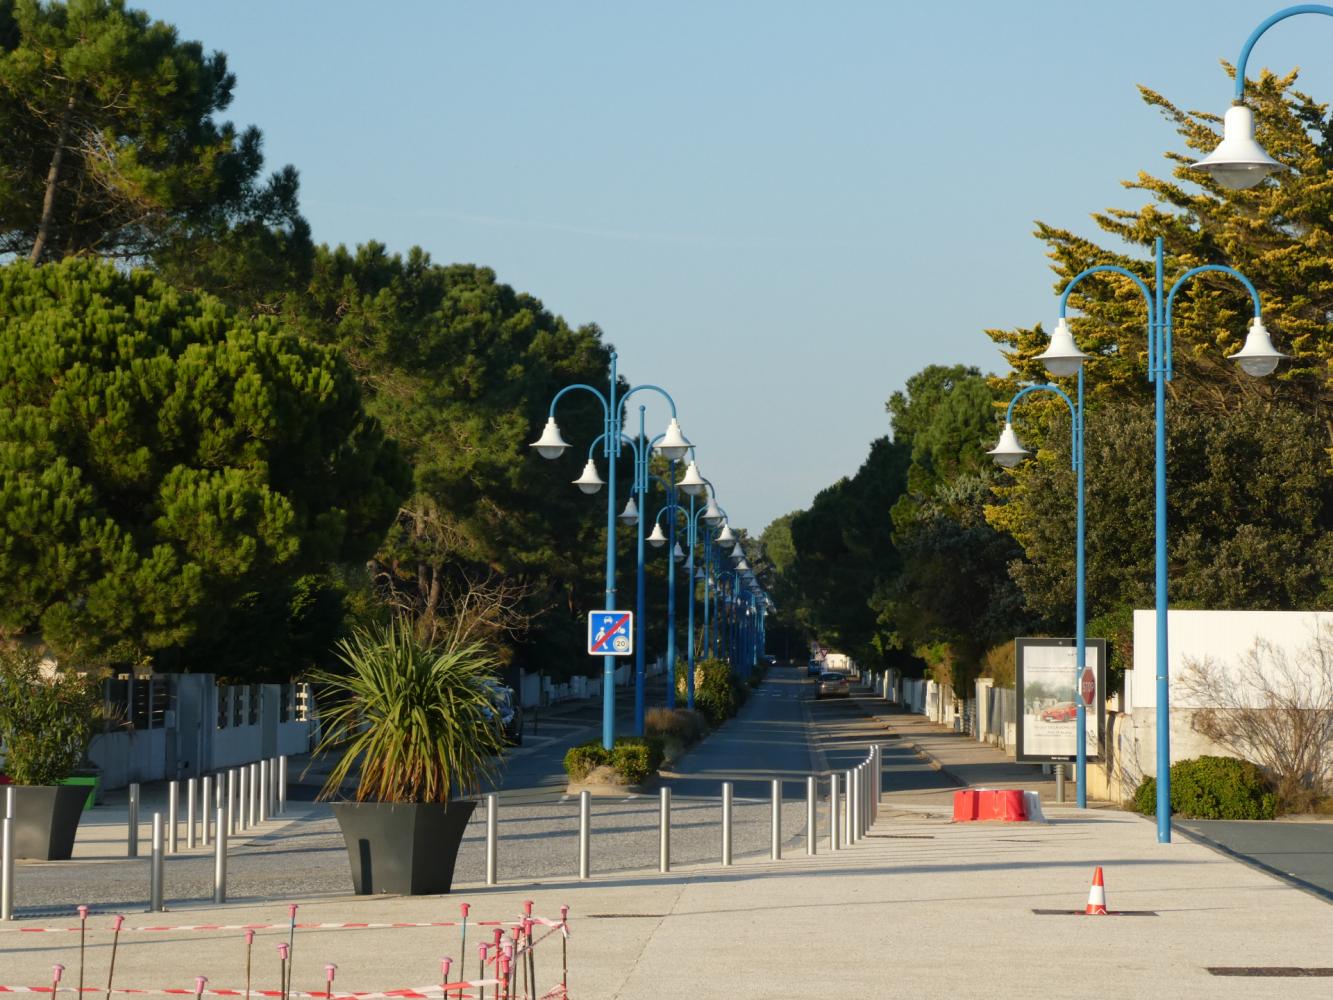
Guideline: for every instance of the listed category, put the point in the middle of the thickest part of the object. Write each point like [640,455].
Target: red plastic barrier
[981,804]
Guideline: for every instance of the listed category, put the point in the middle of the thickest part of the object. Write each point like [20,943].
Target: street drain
[902,836]
[625,916]
[1081,913]
[1269,971]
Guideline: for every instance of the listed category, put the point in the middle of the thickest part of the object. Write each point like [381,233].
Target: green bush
[633,758]
[582,759]
[46,722]
[676,724]
[1212,788]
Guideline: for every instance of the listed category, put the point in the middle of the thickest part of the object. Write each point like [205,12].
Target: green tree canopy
[109,146]
[167,469]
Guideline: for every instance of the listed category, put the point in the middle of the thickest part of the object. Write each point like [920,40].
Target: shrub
[716,691]
[582,759]
[1212,788]
[46,722]
[678,724]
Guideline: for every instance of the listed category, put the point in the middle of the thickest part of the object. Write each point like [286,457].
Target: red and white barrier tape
[417,993]
[300,927]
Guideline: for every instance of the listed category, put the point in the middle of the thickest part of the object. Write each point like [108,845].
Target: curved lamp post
[551,445]
[1258,357]
[691,484]
[1008,453]
[1239,161]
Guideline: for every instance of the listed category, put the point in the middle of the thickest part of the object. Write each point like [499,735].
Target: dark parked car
[509,711]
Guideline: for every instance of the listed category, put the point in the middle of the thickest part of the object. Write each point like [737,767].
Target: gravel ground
[306,857]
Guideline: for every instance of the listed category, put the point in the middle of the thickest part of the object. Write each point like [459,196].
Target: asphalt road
[1298,853]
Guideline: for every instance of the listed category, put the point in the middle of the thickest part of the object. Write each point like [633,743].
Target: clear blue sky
[778,211]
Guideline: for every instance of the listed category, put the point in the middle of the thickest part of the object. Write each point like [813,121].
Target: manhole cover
[1080,913]
[1269,971]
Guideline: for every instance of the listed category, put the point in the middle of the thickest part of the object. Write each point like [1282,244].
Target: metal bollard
[7,857]
[492,836]
[664,831]
[1059,782]
[173,814]
[155,871]
[206,807]
[232,811]
[849,800]
[727,793]
[242,796]
[191,791]
[585,832]
[220,860]
[132,833]
[775,823]
[252,809]
[282,784]
[811,814]
[833,811]
[263,791]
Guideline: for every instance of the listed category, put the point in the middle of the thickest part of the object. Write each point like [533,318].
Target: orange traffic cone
[1096,896]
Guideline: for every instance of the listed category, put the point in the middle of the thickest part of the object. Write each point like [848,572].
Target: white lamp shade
[550,444]
[590,482]
[712,513]
[699,574]
[692,483]
[1010,451]
[1062,356]
[1258,357]
[657,538]
[674,445]
[726,537]
[737,553]
[742,565]
[630,515]
[1239,161]
[678,553]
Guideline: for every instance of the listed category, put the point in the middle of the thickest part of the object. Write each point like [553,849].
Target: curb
[1295,881]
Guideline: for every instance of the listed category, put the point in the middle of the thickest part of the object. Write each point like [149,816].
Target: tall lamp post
[1258,358]
[691,484]
[1008,453]
[551,445]
[1239,161]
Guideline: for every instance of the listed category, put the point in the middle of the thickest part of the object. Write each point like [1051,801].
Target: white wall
[1225,637]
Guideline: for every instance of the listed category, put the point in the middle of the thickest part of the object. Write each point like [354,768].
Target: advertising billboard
[1048,695]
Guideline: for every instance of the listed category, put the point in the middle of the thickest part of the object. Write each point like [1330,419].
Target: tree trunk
[52,178]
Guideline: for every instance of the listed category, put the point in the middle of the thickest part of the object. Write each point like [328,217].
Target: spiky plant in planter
[415,723]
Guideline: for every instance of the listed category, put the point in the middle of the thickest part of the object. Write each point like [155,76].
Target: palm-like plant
[417,718]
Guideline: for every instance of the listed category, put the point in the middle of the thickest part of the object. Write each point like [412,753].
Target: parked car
[832,685]
[1060,713]
[508,710]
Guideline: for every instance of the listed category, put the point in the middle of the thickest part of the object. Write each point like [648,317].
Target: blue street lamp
[1008,453]
[551,445]
[1258,357]
[691,484]
[1239,161]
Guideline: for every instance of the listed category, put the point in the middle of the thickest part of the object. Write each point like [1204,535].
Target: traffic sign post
[611,633]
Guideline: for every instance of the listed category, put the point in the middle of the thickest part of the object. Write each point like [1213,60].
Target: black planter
[46,819]
[400,847]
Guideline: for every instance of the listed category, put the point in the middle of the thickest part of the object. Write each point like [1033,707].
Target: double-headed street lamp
[1063,358]
[672,445]
[1008,453]
[1239,161]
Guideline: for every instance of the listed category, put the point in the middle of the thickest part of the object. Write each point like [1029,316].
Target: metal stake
[173,814]
[252,810]
[155,867]
[492,836]
[132,833]
[282,784]
[727,792]
[849,809]
[664,832]
[775,823]
[231,802]
[585,833]
[191,792]
[833,810]
[7,864]
[242,796]
[811,797]
[220,860]
[1059,782]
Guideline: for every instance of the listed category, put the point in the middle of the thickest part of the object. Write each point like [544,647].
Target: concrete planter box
[404,848]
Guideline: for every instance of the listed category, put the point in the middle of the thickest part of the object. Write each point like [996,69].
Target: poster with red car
[1048,692]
